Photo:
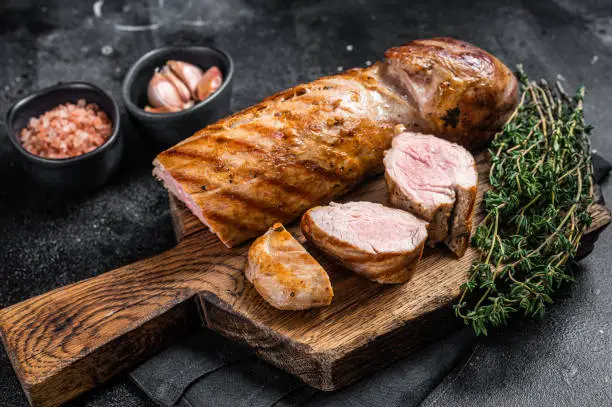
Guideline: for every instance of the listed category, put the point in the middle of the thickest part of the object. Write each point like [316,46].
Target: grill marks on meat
[437,181]
[382,244]
[310,144]
[289,155]
[284,274]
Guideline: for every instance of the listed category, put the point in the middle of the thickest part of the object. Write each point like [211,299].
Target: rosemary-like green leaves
[536,210]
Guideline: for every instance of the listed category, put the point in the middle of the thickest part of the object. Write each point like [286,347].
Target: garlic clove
[188,73]
[182,89]
[210,82]
[160,109]
[169,109]
[162,93]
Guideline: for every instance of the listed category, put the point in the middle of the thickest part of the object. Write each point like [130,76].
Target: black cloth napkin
[206,369]
[209,370]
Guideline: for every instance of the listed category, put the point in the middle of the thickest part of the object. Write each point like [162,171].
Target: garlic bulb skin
[210,82]
[162,93]
[160,109]
[181,88]
[188,73]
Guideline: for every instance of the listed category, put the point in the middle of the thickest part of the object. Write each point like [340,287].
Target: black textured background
[47,240]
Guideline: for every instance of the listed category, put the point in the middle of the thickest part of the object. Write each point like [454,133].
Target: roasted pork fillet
[382,244]
[435,180]
[312,143]
[284,274]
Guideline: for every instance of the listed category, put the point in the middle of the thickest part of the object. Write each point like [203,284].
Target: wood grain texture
[368,325]
[67,341]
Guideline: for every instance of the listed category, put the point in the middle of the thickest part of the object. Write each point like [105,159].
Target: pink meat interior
[371,227]
[175,189]
[428,168]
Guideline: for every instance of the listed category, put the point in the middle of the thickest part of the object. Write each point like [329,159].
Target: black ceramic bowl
[84,172]
[170,128]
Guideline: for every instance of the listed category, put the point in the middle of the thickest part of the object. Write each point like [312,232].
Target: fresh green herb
[536,210]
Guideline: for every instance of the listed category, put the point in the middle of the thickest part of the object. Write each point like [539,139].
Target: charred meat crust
[469,92]
[461,221]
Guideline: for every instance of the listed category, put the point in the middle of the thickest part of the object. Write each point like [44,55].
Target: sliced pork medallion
[436,180]
[380,243]
[284,274]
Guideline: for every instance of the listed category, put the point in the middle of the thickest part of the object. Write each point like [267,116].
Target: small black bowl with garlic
[173,92]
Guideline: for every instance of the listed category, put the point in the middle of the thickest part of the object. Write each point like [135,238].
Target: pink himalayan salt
[67,130]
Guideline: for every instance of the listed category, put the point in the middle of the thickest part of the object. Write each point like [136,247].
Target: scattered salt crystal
[349,47]
[368,63]
[97,8]
[340,69]
[594,59]
[107,50]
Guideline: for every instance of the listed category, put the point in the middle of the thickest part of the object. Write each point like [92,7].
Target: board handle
[70,340]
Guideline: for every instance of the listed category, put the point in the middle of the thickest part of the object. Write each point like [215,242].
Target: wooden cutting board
[73,338]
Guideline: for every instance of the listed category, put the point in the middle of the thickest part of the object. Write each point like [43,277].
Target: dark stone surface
[47,240]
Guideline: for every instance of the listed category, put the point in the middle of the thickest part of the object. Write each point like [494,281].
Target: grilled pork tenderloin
[437,181]
[380,243]
[284,274]
[310,144]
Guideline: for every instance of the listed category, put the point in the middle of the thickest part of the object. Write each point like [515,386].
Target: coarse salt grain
[67,130]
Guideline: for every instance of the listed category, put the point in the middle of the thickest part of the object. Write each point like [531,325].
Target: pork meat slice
[308,145]
[285,274]
[437,181]
[380,243]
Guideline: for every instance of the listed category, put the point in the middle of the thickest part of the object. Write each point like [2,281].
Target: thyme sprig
[536,211]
